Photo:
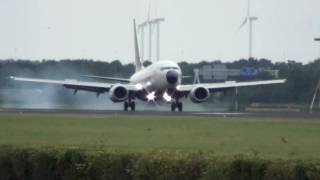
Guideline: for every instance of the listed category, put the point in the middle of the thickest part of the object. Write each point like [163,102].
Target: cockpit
[169,68]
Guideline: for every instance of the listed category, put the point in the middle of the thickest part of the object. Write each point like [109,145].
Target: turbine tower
[141,29]
[156,22]
[249,19]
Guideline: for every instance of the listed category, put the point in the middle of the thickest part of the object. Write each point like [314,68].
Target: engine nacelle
[199,94]
[118,93]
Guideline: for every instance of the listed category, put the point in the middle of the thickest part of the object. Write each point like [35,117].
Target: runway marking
[287,115]
[229,114]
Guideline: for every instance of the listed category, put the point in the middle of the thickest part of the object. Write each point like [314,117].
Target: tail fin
[137,62]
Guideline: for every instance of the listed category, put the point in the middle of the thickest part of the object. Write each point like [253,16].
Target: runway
[286,115]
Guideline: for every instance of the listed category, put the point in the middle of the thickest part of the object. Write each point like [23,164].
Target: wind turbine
[249,19]
[150,24]
[141,27]
[157,22]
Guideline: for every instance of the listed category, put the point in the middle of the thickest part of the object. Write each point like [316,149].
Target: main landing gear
[129,104]
[176,105]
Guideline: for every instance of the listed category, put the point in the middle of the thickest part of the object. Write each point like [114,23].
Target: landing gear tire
[125,106]
[133,106]
[173,106]
[180,106]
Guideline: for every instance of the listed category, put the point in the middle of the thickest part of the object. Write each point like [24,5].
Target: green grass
[266,138]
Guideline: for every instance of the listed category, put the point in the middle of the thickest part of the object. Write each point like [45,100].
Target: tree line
[301,78]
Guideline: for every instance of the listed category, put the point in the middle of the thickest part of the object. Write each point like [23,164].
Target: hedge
[53,164]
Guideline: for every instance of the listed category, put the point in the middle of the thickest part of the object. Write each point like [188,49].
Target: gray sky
[193,30]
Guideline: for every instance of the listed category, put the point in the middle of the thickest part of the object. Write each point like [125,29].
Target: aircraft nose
[172,77]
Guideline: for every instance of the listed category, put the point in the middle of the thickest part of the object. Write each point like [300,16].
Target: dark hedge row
[77,164]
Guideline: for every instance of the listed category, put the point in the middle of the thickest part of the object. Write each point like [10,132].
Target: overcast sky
[193,30]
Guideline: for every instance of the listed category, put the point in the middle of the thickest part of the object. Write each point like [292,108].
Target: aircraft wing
[229,84]
[107,78]
[76,85]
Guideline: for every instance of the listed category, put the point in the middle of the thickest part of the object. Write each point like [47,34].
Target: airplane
[157,82]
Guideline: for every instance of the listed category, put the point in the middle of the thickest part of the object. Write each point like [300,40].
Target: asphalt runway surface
[287,115]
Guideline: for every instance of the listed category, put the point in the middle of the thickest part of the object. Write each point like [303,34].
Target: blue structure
[248,71]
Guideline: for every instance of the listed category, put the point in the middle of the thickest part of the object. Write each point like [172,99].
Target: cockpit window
[168,68]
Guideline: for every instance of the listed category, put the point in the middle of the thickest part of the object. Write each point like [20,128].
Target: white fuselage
[154,78]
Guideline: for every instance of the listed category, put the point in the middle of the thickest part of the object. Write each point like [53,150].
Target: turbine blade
[241,26]
[243,23]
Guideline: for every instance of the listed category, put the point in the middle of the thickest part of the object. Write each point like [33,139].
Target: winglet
[137,62]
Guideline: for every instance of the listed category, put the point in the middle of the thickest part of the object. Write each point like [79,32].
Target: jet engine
[199,94]
[118,93]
